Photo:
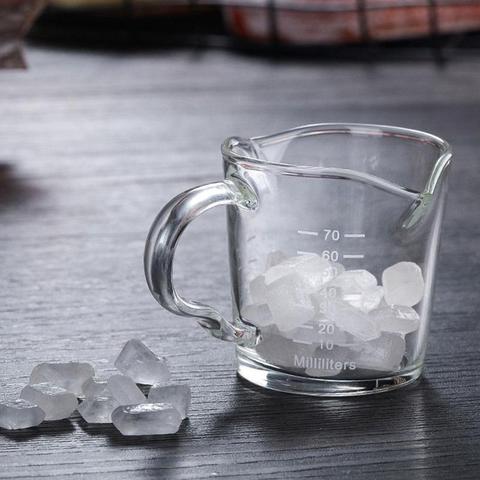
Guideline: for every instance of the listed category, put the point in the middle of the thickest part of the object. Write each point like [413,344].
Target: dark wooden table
[93,144]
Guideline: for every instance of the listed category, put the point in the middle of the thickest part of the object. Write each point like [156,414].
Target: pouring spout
[421,206]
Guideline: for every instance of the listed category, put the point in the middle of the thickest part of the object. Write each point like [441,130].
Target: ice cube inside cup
[315,305]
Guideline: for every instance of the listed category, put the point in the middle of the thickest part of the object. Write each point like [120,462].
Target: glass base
[280,381]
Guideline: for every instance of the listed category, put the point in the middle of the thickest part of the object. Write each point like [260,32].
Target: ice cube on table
[98,409]
[259,315]
[384,353]
[94,387]
[147,419]
[177,395]
[139,363]
[403,284]
[289,302]
[70,375]
[55,401]
[124,390]
[18,414]
[396,319]
[351,320]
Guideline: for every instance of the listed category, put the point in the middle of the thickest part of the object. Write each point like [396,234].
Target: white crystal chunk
[93,387]
[139,363]
[403,284]
[327,362]
[355,281]
[147,419]
[366,301]
[385,353]
[70,376]
[98,409]
[258,290]
[55,401]
[18,414]
[259,315]
[277,350]
[274,258]
[313,270]
[124,390]
[323,297]
[351,320]
[396,319]
[320,331]
[177,395]
[289,302]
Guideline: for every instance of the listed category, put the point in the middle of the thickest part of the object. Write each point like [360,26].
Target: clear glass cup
[333,238]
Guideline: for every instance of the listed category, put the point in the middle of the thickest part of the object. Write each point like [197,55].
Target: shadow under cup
[333,261]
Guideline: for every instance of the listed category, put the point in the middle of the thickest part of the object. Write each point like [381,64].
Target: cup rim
[438,169]
[443,146]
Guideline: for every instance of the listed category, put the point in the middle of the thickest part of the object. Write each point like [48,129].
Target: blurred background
[297,27]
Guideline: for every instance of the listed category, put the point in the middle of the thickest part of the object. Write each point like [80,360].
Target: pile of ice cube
[316,315]
[54,391]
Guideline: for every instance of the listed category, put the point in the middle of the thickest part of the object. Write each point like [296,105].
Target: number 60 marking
[331,255]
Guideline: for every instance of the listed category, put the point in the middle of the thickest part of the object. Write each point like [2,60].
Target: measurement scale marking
[303,252]
[354,235]
[353,256]
[302,342]
[307,232]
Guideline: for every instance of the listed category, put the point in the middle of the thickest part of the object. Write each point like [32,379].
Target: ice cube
[177,395]
[367,300]
[396,319]
[279,351]
[354,281]
[313,270]
[55,401]
[124,390]
[322,297]
[385,353]
[274,258]
[403,284]
[147,419]
[18,414]
[351,320]
[139,363]
[258,289]
[94,387]
[329,362]
[320,331]
[289,302]
[258,315]
[70,376]
[98,409]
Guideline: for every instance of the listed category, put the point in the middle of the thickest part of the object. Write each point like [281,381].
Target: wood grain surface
[92,144]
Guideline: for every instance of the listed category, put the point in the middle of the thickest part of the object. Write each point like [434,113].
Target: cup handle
[160,250]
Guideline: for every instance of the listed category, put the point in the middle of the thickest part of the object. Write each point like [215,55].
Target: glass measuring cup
[333,238]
